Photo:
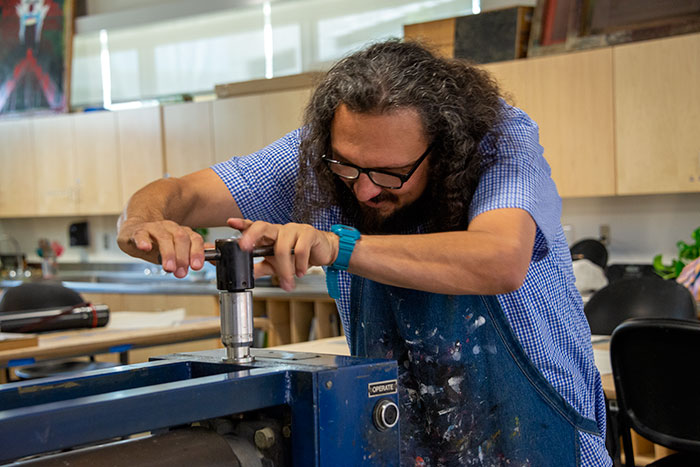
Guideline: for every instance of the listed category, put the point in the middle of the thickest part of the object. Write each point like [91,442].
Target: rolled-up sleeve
[519,177]
[263,183]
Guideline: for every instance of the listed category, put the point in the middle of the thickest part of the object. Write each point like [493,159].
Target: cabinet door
[657,110]
[55,165]
[570,98]
[188,138]
[140,148]
[283,111]
[238,126]
[17,170]
[96,160]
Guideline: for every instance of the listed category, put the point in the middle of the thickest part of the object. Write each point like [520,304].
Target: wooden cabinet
[77,164]
[140,148]
[570,98]
[238,126]
[97,178]
[245,124]
[188,138]
[283,111]
[55,165]
[657,115]
[17,170]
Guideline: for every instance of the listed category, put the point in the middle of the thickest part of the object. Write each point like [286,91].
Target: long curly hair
[458,104]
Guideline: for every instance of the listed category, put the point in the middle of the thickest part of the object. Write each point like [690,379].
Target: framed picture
[36,39]
[567,25]
[610,22]
[550,27]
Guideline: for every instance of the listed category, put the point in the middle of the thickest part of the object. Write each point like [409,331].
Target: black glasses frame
[403,178]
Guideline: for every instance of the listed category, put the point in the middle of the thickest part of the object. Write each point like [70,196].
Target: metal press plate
[281,355]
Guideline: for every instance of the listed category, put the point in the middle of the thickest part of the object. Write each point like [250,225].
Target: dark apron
[469,394]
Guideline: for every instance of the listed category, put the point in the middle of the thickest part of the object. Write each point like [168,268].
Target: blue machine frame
[330,398]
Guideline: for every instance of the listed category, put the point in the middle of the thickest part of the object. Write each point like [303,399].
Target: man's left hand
[311,247]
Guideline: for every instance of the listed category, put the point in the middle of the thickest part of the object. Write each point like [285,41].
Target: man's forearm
[157,201]
[492,257]
[439,263]
[199,199]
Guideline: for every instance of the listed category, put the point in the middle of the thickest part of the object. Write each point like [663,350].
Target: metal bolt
[286,431]
[223,426]
[329,384]
[264,438]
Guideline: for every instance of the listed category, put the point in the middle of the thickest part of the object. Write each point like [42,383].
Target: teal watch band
[348,236]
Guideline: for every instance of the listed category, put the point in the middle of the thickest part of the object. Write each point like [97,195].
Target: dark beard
[417,216]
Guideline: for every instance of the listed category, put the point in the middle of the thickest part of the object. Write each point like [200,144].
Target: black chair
[38,295]
[592,250]
[639,297]
[655,364]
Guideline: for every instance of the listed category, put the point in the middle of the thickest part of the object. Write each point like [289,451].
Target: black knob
[386,414]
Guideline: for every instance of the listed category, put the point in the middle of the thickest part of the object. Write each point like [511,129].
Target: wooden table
[105,340]
[328,345]
[606,377]
[339,346]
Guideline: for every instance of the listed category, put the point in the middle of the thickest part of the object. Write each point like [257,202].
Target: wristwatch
[348,237]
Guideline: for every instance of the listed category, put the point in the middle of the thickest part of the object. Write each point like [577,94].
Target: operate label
[381,388]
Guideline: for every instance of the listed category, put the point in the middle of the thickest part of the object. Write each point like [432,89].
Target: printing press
[235,406]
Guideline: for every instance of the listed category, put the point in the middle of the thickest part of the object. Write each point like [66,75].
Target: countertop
[311,286]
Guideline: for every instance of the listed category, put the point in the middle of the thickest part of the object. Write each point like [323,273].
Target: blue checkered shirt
[546,313]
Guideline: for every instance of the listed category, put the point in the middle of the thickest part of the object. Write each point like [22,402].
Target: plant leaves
[686,254]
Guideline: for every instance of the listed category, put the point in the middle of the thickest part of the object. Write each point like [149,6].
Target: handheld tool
[235,281]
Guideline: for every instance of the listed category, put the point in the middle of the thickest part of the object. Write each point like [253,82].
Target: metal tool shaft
[234,279]
[237,325]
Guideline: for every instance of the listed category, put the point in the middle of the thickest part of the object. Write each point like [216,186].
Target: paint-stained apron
[468,393]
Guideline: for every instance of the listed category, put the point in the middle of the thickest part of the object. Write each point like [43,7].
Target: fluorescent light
[133,105]
[267,39]
[106,72]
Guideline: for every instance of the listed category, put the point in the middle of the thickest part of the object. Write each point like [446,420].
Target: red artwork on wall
[35,44]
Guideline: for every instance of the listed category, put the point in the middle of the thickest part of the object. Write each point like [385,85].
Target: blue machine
[297,409]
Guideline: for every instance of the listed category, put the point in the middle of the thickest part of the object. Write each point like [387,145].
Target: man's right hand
[179,247]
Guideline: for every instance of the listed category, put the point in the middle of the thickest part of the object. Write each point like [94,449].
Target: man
[460,270]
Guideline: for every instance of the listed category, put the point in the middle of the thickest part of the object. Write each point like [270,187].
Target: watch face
[346,231]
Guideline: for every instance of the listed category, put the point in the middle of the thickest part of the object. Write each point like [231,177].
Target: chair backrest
[38,295]
[592,250]
[655,364]
[638,297]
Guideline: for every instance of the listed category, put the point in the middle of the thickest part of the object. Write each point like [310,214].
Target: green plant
[203,231]
[686,254]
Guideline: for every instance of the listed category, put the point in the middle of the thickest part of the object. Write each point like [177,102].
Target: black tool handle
[269,250]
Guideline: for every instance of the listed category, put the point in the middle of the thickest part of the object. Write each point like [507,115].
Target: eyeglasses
[379,177]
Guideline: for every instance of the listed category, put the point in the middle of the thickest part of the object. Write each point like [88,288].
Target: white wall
[640,227]
[102,231]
